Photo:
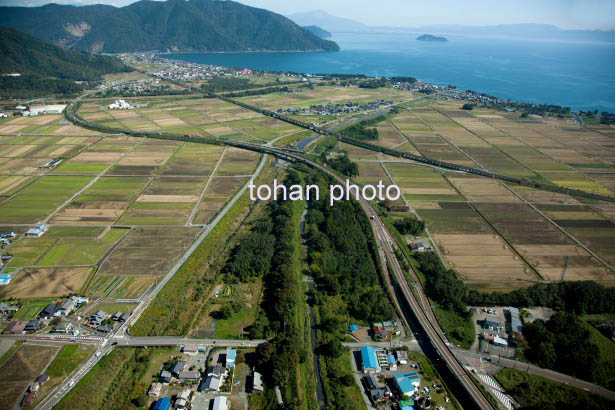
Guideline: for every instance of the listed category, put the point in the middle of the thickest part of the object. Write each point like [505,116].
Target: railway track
[420,308]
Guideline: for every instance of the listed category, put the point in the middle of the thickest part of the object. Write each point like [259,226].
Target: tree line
[343,260]
[361,132]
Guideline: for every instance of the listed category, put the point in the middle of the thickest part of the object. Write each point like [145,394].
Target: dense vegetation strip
[343,260]
[280,358]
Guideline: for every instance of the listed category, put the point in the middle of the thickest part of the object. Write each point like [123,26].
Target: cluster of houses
[5,240]
[337,109]
[52,310]
[99,320]
[135,88]
[211,380]
[20,327]
[403,387]
[419,86]
[32,391]
[64,308]
[386,330]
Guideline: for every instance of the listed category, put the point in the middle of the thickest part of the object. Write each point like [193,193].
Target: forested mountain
[173,25]
[46,68]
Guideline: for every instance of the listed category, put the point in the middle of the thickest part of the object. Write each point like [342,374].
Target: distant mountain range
[46,68]
[521,31]
[173,25]
[320,32]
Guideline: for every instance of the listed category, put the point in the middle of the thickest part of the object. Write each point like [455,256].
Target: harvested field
[47,282]
[25,364]
[148,251]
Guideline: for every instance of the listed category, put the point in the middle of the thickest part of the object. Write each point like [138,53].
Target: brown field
[47,282]
[11,182]
[167,198]
[87,215]
[482,189]
[482,260]
[25,364]
[149,251]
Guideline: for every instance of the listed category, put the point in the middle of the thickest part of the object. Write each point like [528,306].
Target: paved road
[142,341]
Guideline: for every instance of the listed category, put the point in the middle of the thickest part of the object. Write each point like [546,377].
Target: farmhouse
[155,389]
[49,311]
[370,360]
[177,368]
[211,383]
[104,328]
[37,231]
[33,326]
[4,308]
[408,383]
[16,327]
[68,306]
[189,375]
[165,376]
[216,371]
[62,327]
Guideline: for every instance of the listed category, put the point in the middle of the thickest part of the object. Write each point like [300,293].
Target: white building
[220,403]
[37,231]
[119,105]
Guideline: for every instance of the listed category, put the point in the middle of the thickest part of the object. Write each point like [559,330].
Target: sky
[567,14]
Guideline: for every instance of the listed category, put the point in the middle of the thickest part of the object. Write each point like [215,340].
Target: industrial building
[370,360]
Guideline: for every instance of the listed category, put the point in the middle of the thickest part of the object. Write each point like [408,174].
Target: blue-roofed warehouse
[370,360]
[162,404]
[408,383]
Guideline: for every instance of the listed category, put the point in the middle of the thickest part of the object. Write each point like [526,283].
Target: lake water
[578,75]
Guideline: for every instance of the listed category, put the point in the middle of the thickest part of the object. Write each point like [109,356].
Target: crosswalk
[496,390]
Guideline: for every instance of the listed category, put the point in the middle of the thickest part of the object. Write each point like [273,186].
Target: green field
[538,392]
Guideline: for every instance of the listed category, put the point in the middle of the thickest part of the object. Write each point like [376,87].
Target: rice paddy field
[20,369]
[497,235]
[192,115]
[120,210]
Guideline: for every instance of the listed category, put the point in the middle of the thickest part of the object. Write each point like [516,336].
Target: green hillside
[46,68]
[173,25]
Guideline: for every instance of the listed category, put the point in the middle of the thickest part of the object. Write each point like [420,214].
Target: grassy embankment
[537,392]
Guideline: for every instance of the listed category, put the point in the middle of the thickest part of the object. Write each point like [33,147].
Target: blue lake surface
[578,75]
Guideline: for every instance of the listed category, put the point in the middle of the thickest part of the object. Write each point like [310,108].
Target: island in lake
[429,37]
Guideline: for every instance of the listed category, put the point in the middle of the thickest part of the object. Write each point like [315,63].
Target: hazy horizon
[566,14]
